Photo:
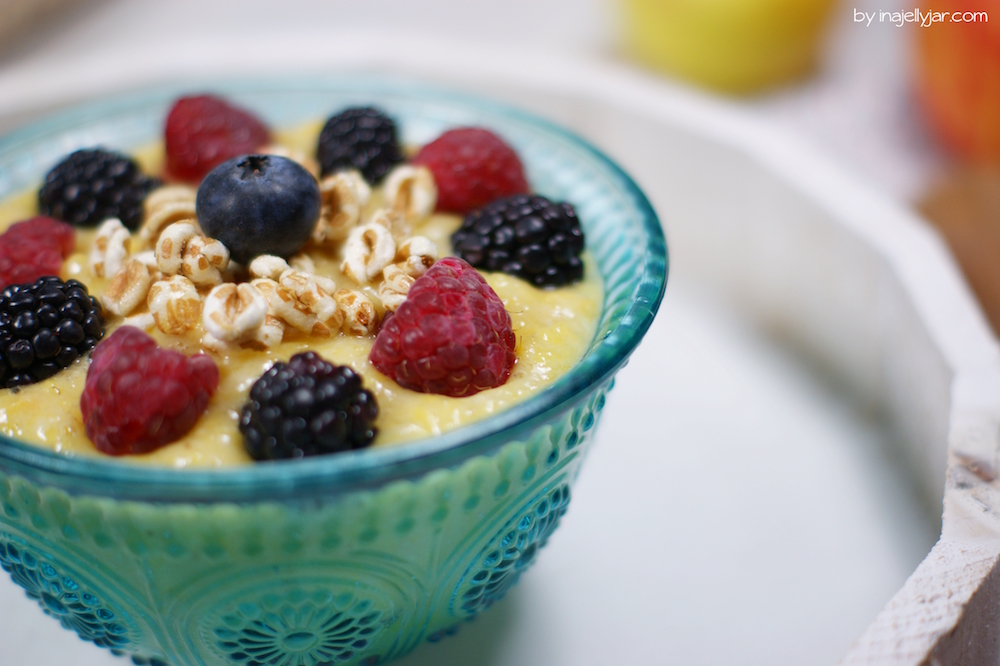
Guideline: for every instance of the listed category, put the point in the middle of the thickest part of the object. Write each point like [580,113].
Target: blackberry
[361,138]
[526,236]
[307,407]
[44,327]
[90,186]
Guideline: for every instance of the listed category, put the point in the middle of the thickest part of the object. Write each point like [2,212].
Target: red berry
[139,396]
[451,336]
[472,167]
[205,131]
[33,248]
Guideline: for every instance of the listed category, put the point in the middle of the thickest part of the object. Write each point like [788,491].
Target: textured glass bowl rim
[370,468]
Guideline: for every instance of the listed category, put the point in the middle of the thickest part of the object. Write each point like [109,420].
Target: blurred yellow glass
[736,46]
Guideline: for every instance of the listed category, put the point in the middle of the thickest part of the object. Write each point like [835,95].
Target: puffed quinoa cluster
[172,277]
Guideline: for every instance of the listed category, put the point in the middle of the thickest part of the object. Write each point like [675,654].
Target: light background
[687,541]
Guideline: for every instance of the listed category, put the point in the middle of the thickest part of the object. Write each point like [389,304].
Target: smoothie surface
[554,328]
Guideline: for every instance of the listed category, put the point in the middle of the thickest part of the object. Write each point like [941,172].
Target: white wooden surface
[795,245]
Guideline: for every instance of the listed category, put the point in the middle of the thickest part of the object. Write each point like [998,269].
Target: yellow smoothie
[554,327]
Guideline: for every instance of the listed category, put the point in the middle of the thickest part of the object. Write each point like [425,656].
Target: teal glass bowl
[348,559]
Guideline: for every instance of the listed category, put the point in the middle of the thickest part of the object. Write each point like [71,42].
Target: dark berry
[451,336]
[307,407]
[526,236]
[139,396]
[259,204]
[90,186]
[361,138]
[472,167]
[39,334]
[204,131]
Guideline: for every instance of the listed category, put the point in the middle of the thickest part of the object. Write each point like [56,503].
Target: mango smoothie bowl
[301,372]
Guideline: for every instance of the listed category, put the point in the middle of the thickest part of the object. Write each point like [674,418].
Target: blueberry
[259,204]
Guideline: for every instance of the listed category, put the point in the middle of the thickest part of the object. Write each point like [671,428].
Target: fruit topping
[361,138]
[526,236]
[203,132]
[451,336]
[472,167]
[33,248]
[307,407]
[45,326]
[90,186]
[139,396]
[259,204]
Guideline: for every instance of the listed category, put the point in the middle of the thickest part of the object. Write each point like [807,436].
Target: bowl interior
[622,231]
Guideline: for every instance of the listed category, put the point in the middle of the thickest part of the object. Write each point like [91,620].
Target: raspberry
[44,327]
[526,236]
[139,396]
[203,132]
[307,407]
[90,186]
[361,138]
[472,167]
[33,248]
[451,336]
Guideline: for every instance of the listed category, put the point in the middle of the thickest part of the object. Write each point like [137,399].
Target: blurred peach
[730,45]
[958,78]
